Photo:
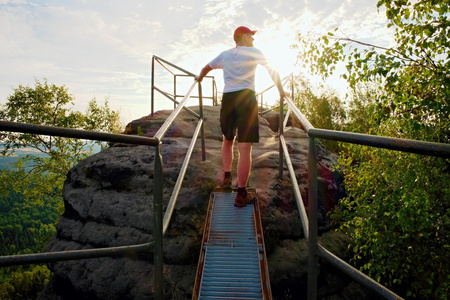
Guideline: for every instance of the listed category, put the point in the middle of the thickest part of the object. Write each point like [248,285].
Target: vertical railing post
[175,91]
[213,94]
[158,225]
[202,129]
[152,100]
[217,93]
[312,217]
[281,132]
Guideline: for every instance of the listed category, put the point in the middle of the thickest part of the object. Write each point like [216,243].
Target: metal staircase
[232,263]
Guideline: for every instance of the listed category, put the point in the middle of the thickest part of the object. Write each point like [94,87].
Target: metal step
[232,262]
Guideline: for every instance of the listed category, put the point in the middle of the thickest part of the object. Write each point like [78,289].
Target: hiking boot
[226,184]
[243,201]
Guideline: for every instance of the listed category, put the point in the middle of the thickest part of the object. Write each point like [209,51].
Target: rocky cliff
[108,201]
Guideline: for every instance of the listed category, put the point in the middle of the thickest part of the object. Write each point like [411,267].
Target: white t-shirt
[239,65]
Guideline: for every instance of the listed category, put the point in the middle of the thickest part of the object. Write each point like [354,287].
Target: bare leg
[227,154]
[244,164]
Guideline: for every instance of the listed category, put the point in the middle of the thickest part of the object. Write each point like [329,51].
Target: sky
[103,49]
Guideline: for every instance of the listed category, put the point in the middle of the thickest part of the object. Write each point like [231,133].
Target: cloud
[93,51]
[104,48]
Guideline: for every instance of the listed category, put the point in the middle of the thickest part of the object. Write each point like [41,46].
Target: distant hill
[7,162]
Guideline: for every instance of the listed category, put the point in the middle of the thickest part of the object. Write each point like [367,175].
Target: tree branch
[400,56]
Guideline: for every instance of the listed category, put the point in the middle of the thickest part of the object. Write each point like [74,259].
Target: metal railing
[266,107]
[310,221]
[161,221]
[174,96]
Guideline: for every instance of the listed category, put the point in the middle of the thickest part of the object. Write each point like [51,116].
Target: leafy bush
[397,211]
[399,221]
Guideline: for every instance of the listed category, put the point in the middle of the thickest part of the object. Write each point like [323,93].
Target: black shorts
[240,111]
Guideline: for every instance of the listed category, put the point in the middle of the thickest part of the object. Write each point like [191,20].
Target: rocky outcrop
[108,201]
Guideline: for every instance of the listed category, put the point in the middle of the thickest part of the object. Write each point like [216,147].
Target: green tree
[25,285]
[412,77]
[363,112]
[397,211]
[51,105]
[324,110]
[31,195]
[397,215]
[25,226]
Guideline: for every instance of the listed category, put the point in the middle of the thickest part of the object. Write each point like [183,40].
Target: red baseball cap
[242,30]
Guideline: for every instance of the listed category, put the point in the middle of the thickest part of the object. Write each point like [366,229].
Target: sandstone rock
[109,202]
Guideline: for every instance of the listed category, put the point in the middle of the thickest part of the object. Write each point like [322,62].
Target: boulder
[108,200]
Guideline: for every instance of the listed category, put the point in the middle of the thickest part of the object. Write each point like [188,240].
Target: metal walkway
[232,263]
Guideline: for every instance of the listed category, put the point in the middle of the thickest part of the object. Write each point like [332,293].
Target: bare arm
[206,69]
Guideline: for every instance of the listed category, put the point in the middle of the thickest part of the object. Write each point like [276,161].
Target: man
[239,106]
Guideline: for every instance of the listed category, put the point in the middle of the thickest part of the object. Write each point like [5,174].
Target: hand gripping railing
[310,227]
[160,224]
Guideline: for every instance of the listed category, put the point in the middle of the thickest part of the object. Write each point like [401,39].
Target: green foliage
[364,114]
[140,132]
[31,196]
[101,118]
[48,104]
[412,78]
[397,212]
[399,221]
[25,227]
[24,285]
[323,111]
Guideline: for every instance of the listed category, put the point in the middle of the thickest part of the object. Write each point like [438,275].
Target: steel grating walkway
[232,263]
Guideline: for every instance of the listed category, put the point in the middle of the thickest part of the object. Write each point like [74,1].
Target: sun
[275,42]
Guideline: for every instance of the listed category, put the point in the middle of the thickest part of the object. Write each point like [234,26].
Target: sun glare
[275,43]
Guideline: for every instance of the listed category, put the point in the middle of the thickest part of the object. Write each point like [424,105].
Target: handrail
[173,65]
[77,133]
[160,134]
[176,190]
[163,129]
[173,97]
[168,96]
[284,81]
[356,274]
[36,258]
[303,120]
[404,145]
[296,189]
[314,248]
[160,223]
[214,88]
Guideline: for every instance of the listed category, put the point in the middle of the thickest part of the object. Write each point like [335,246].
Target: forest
[33,170]
[24,228]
